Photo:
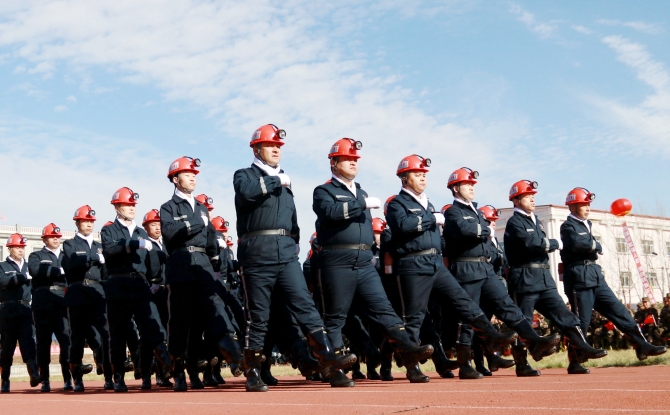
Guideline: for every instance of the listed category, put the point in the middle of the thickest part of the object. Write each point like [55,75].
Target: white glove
[284,179]
[62,271]
[222,243]
[372,203]
[154,288]
[560,244]
[205,219]
[439,218]
[145,244]
[101,258]
[493,232]
[297,249]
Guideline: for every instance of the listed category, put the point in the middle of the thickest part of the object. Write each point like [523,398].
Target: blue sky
[99,95]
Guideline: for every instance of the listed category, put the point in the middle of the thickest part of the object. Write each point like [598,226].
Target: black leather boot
[75,369]
[386,366]
[463,356]
[496,362]
[109,377]
[643,348]
[575,368]
[356,373]
[33,373]
[161,381]
[266,374]
[207,377]
[178,374]
[4,388]
[86,368]
[583,350]
[232,353]
[137,368]
[523,369]
[119,382]
[46,386]
[415,375]
[146,383]
[306,363]
[402,345]
[216,374]
[538,346]
[252,361]
[494,340]
[478,355]
[338,379]
[163,360]
[326,354]
[98,359]
[443,366]
[67,377]
[194,375]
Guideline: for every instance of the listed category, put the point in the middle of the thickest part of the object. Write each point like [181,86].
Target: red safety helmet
[579,195]
[16,240]
[522,187]
[445,207]
[268,133]
[152,216]
[345,147]
[312,238]
[125,196]
[220,224]
[464,174]
[84,213]
[183,164]
[386,204]
[413,163]
[109,222]
[229,242]
[490,213]
[205,200]
[51,231]
[378,225]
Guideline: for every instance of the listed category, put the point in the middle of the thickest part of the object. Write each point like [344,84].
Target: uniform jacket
[183,226]
[83,262]
[45,268]
[162,257]
[262,203]
[386,246]
[579,245]
[526,243]
[413,229]
[14,286]
[498,258]
[342,219]
[466,234]
[123,255]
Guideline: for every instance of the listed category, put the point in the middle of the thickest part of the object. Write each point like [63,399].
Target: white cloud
[60,108]
[71,98]
[644,27]
[542,29]
[582,29]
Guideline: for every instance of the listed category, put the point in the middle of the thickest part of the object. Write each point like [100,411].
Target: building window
[667,248]
[625,279]
[647,246]
[653,279]
[621,245]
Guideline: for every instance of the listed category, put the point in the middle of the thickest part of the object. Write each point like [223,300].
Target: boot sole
[529,375]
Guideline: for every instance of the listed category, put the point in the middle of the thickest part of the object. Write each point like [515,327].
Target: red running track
[634,390]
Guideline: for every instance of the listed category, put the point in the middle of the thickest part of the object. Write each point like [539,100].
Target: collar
[88,239]
[422,199]
[131,227]
[584,221]
[20,265]
[351,188]
[159,241]
[528,215]
[189,198]
[471,205]
[56,252]
[269,170]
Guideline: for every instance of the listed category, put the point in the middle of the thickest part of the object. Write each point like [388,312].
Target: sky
[105,94]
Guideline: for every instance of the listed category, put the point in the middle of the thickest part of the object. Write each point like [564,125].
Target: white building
[651,237]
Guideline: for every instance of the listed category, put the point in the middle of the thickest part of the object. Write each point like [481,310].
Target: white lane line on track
[228,403]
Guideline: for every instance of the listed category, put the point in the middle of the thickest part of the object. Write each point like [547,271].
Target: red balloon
[621,207]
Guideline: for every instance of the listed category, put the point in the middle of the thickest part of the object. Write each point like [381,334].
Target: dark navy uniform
[268,227]
[49,311]
[159,306]
[127,290]
[16,324]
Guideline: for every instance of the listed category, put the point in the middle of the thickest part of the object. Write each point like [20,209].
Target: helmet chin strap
[337,172]
[124,217]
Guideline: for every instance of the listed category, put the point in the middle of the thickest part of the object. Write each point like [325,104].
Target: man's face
[417,181]
[52,242]
[85,227]
[666,301]
[347,166]
[493,224]
[153,229]
[581,210]
[525,203]
[127,210]
[186,181]
[17,252]
[466,190]
[270,153]
[378,238]
[645,304]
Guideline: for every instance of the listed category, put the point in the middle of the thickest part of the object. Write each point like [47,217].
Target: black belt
[584,262]
[22,302]
[127,275]
[267,232]
[51,288]
[85,281]
[473,259]
[540,266]
[358,247]
[431,251]
[191,249]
